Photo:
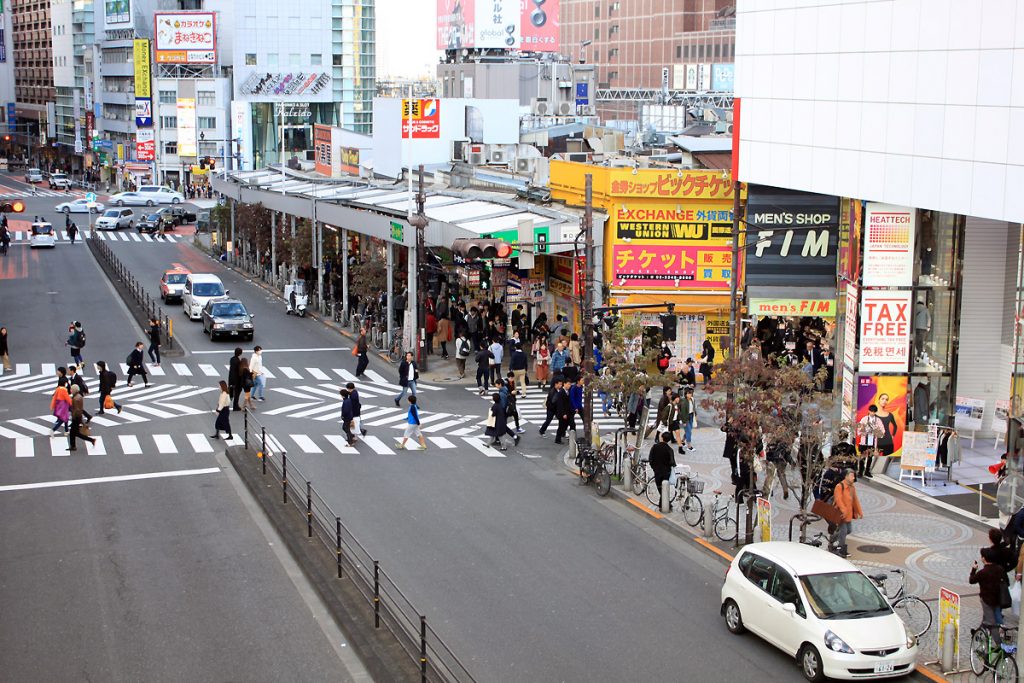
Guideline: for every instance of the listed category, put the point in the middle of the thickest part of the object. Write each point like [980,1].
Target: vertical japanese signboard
[322,149]
[186,126]
[888,245]
[145,144]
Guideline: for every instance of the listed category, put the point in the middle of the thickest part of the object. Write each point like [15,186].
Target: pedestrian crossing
[9,193]
[25,236]
[532,409]
[113,445]
[39,377]
[131,413]
[44,383]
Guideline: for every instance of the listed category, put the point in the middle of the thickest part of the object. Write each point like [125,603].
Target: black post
[376,594]
[245,428]
[263,448]
[423,649]
[284,477]
[588,310]
[309,510]
[337,542]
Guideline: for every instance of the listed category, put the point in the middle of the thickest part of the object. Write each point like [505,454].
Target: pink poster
[539,28]
[675,267]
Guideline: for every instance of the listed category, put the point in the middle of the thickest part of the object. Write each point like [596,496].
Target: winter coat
[483,359]
[662,460]
[558,359]
[60,404]
[845,498]
[77,406]
[500,421]
[444,330]
[990,581]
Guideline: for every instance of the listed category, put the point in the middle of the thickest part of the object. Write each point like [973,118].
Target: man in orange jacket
[849,506]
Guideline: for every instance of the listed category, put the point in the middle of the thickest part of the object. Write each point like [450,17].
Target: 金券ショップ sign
[884,331]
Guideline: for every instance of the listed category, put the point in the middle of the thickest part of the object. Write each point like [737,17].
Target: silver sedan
[131,199]
[79,206]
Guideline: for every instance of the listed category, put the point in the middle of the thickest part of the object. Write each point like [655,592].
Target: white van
[200,288]
[42,236]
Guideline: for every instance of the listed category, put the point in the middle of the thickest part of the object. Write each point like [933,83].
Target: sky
[405,38]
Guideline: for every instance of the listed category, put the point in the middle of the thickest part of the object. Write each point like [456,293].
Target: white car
[818,608]
[160,194]
[131,199]
[42,236]
[33,175]
[79,206]
[200,288]
[60,181]
[112,219]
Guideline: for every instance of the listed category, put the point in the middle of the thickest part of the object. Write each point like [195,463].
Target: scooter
[296,298]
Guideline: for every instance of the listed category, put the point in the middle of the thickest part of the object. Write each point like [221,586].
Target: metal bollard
[423,649]
[946,645]
[376,594]
[337,542]
[709,520]
[309,510]
[665,488]
[627,477]
[284,477]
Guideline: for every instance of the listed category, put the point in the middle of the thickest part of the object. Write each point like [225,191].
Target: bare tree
[628,367]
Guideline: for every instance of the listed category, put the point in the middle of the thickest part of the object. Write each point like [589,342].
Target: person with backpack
[136,363]
[75,342]
[463,349]
[108,380]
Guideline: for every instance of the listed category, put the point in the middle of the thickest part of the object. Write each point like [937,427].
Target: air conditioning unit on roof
[540,107]
[497,156]
[564,109]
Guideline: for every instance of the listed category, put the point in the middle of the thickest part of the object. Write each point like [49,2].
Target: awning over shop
[711,303]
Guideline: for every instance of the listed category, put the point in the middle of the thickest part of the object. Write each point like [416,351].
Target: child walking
[412,426]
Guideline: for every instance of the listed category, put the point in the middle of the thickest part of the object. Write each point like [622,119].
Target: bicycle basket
[694,486]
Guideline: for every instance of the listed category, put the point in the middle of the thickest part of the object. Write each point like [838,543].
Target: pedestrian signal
[473,249]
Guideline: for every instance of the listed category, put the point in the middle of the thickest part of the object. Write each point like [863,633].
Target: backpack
[464,348]
[128,360]
[81,338]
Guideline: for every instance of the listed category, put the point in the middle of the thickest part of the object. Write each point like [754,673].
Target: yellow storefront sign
[825,308]
[567,181]
[142,74]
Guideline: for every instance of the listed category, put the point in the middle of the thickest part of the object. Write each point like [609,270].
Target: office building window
[207,122]
[207,97]
[316,59]
[271,59]
[294,59]
[170,148]
[250,59]
[168,97]
[597,34]
[168,121]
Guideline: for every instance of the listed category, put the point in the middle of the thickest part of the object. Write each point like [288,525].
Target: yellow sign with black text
[142,69]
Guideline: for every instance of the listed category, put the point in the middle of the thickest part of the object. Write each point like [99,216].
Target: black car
[227,317]
[178,215]
[151,223]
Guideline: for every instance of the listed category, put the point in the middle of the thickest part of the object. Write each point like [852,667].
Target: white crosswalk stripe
[124,444]
[130,444]
[338,441]
[305,444]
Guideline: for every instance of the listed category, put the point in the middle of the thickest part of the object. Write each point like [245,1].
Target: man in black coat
[75,379]
[136,363]
[662,460]
[235,378]
[483,371]
[550,404]
[107,381]
[563,413]
[357,407]
[408,373]
[347,417]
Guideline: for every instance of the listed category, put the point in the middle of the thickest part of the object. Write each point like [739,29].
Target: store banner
[185,37]
[707,267]
[672,222]
[145,144]
[885,331]
[322,149]
[850,327]
[819,308]
[421,118]
[142,70]
[793,238]
[186,126]
[889,245]
[350,160]
[889,397]
[143,112]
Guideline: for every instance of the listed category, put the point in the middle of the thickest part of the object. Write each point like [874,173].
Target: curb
[624,497]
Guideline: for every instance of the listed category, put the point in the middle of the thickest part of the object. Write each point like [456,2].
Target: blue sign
[722,77]
[90,197]
[582,94]
[12,116]
[143,112]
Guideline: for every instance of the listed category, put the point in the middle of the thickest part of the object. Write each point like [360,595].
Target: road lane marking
[147,238]
[287,408]
[182,369]
[105,480]
[199,443]
[24,447]
[305,443]
[50,369]
[156,372]
[209,370]
[10,434]
[98,448]
[440,442]
[130,444]
[150,410]
[339,442]
[476,443]
[377,445]
[332,411]
[59,447]
[318,374]
[32,426]
[332,348]
[164,443]
[289,373]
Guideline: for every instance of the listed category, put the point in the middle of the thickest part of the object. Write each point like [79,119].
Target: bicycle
[914,611]
[682,478]
[591,468]
[722,515]
[395,352]
[638,470]
[987,654]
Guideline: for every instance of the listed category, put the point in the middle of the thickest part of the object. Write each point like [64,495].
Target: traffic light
[12,207]
[211,162]
[472,249]
[7,138]
[202,162]
[668,326]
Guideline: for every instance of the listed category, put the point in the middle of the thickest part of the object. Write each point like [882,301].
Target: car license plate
[235,332]
[884,668]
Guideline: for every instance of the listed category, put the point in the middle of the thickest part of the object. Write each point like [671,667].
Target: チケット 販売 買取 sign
[884,331]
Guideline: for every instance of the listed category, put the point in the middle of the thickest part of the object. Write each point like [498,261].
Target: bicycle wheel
[693,510]
[1006,670]
[395,352]
[725,524]
[979,650]
[654,495]
[639,480]
[602,480]
[915,614]
[892,587]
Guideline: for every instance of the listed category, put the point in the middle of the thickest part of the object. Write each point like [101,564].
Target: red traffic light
[473,249]
[7,138]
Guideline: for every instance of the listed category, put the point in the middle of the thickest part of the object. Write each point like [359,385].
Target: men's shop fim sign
[823,308]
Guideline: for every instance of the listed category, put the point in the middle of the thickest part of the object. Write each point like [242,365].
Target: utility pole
[734,322]
[588,309]
[419,223]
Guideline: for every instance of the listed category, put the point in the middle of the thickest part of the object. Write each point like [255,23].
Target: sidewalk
[901,528]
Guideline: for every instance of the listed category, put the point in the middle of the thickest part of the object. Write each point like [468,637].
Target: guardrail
[392,609]
[148,304]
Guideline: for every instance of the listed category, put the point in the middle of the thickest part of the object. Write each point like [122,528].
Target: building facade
[6,72]
[33,71]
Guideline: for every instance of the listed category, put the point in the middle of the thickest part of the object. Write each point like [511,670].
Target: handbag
[83,430]
[491,420]
[828,512]
[355,350]
[1005,599]
[108,402]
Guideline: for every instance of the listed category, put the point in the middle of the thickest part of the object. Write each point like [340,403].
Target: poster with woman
[888,395]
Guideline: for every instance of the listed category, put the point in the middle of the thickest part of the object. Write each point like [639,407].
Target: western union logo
[684,231]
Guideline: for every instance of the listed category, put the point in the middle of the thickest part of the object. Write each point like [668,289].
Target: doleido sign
[884,331]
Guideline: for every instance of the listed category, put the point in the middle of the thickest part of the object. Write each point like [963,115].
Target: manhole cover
[873,549]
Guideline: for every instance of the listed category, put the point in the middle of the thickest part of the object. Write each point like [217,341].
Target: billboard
[504,24]
[322,149]
[794,238]
[421,118]
[142,71]
[884,330]
[145,145]
[889,396]
[722,77]
[186,126]
[349,160]
[117,13]
[707,266]
[262,86]
[889,245]
[143,112]
[185,37]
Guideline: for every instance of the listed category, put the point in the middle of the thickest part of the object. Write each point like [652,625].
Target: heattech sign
[792,238]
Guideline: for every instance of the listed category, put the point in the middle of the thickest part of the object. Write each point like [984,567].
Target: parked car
[203,221]
[79,205]
[151,223]
[199,289]
[160,194]
[172,284]
[818,608]
[179,215]
[60,181]
[33,175]
[227,318]
[112,219]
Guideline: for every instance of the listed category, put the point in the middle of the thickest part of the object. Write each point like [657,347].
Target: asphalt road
[111,569]
[526,575]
